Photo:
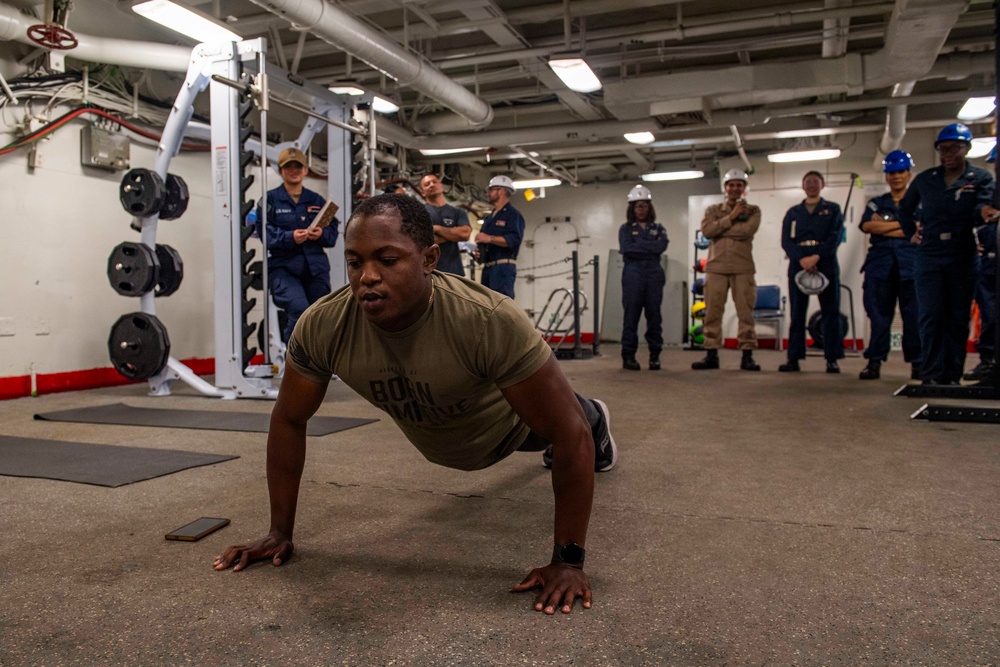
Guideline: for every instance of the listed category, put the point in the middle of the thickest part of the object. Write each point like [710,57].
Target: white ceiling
[698,74]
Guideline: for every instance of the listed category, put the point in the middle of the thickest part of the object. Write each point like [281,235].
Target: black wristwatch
[571,554]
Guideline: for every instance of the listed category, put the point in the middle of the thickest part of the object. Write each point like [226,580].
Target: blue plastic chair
[770,308]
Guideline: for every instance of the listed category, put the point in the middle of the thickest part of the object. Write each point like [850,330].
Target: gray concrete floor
[754,518]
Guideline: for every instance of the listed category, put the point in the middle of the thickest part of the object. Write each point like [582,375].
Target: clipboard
[325,216]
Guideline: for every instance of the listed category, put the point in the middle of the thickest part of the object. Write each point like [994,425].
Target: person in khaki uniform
[730,227]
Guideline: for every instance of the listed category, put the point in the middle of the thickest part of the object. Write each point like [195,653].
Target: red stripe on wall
[584,338]
[94,378]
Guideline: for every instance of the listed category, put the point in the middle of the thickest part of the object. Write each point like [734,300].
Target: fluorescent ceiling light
[673,175]
[981,147]
[449,151]
[575,74]
[346,89]
[640,137]
[537,183]
[185,21]
[814,132]
[805,156]
[382,105]
[976,108]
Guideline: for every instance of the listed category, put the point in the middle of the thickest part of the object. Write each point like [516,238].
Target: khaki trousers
[744,289]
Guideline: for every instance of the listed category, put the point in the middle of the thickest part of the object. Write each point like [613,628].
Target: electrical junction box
[104,150]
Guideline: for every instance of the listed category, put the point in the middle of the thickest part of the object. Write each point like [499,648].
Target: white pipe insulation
[334,25]
[146,55]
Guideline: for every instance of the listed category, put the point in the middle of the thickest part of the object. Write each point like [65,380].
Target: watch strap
[570,554]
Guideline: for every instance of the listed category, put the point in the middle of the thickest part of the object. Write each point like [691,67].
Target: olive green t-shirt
[440,379]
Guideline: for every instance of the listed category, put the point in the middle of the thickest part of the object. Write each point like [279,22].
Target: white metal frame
[210,63]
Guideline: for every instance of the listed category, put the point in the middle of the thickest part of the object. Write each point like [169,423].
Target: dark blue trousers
[986,299]
[294,293]
[500,278]
[945,285]
[829,304]
[880,297]
[642,292]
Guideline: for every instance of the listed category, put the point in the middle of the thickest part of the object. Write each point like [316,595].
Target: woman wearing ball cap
[298,270]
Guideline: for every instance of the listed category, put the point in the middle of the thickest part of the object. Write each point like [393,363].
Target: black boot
[630,364]
[710,361]
[654,361]
[984,371]
[791,367]
[748,364]
[832,366]
[872,370]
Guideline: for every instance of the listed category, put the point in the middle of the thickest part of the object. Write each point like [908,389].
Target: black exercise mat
[249,422]
[101,465]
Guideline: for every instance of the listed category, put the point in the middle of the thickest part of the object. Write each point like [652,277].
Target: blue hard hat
[955,132]
[897,161]
[992,156]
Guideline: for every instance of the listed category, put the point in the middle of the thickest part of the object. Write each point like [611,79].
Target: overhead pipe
[740,148]
[895,123]
[835,31]
[339,28]
[145,55]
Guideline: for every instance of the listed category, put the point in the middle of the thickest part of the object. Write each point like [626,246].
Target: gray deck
[754,518]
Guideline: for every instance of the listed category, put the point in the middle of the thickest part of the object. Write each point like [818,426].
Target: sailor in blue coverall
[951,198]
[641,241]
[500,238]
[888,271]
[810,235]
[986,300]
[298,269]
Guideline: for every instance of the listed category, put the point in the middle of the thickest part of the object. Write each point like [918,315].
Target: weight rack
[239,79]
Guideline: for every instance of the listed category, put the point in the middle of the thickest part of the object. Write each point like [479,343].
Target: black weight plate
[139,346]
[171,270]
[815,327]
[256,273]
[175,199]
[133,269]
[141,192]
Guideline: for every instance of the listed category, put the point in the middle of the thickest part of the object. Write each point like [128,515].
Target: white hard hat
[502,182]
[811,282]
[736,175]
[640,193]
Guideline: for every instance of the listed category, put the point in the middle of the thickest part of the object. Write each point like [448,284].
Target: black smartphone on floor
[198,529]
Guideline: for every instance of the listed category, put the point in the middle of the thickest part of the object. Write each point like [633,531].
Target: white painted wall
[59,224]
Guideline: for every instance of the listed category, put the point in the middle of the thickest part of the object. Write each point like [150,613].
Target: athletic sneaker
[605,449]
[547,457]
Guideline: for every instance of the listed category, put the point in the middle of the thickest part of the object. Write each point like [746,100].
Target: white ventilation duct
[146,55]
[916,32]
[895,123]
[339,28]
[835,30]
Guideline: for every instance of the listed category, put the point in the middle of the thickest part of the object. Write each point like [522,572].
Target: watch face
[571,554]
